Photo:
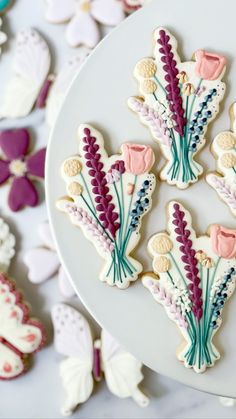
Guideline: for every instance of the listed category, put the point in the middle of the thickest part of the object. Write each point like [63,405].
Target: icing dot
[72,167]
[18,168]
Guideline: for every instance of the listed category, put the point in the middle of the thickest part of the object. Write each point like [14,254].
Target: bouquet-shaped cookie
[178,101]
[195,278]
[107,199]
[224,149]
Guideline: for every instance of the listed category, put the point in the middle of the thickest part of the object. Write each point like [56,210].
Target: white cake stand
[98,96]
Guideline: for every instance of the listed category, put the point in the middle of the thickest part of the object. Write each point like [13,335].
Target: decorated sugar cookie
[3,37]
[107,198]
[4,6]
[84,17]
[193,279]
[30,81]
[7,246]
[61,84]
[19,168]
[224,149]
[43,262]
[133,5]
[20,335]
[178,101]
[88,361]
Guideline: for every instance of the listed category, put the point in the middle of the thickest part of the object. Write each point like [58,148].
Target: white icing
[73,339]
[3,37]
[88,231]
[7,246]
[224,181]
[83,15]
[18,168]
[11,364]
[30,68]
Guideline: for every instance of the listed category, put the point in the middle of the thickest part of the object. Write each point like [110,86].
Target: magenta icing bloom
[20,168]
[190,261]
[119,165]
[106,209]
[172,88]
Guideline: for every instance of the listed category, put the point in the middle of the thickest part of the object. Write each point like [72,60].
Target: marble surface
[39,393]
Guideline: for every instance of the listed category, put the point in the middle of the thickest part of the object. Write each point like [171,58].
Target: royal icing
[108,196]
[43,262]
[84,16]
[193,279]
[224,149]
[178,101]
[30,69]
[62,83]
[7,246]
[133,5]
[87,361]
[20,168]
[3,37]
[20,336]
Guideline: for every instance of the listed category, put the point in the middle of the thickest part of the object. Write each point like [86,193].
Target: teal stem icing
[87,190]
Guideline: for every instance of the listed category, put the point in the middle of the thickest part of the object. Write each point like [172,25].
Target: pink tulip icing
[19,168]
[223,241]
[138,158]
[209,66]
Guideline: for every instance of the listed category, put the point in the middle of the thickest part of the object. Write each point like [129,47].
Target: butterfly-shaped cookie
[43,262]
[7,246]
[87,360]
[31,82]
[20,335]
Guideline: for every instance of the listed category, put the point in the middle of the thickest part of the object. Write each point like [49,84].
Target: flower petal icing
[14,143]
[22,193]
[36,163]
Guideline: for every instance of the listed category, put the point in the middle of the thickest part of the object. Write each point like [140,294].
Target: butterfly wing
[31,66]
[73,338]
[25,337]
[61,85]
[122,371]
[11,364]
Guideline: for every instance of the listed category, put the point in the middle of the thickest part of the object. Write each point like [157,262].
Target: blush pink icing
[209,66]
[138,158]
[223,241]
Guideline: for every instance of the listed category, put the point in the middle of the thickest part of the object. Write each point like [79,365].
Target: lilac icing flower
[20,168]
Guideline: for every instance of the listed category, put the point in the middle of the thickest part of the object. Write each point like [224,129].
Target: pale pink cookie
[178,101]
[224,150]
[30,80]
[107,198]
[88,361]
[193,277]
[20,335]
[83,17]
[43,262]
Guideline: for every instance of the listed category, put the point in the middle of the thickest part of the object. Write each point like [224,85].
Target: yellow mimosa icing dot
[161,264]
[228,160]
[146,68]
[72,167]
[226,141]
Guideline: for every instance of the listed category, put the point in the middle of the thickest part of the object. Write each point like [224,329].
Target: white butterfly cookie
[88,361]
[29,83]
[224,149]
[20,335]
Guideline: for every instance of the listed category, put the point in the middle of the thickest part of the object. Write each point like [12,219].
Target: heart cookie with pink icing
[20,335]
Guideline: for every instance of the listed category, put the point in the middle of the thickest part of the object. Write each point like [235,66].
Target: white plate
[98,96]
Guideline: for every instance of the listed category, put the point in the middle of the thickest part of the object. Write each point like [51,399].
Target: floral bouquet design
[224,149]
[195,276]
[178,101]
[108,196]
